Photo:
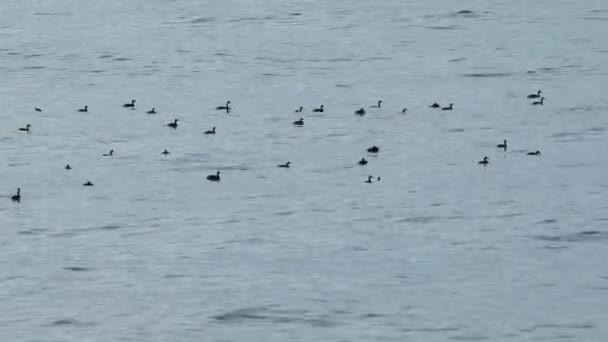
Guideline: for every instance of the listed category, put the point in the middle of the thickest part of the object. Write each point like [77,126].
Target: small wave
[202,20]
[268,315]
[121,59]
[442,28]
[583,236]
[76,269]
[71,322]
[488,74]
[558,326]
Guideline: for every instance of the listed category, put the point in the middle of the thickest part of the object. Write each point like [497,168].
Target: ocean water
[439,249]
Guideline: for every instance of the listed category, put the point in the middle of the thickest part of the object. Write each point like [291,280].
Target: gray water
[440,249]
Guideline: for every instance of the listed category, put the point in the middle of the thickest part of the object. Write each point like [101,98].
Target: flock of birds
[538,100]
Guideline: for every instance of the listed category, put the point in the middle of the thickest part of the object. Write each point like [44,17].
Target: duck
[109,154]
[26,128]
[38,109]
[173,124]
[68,167]
[535,103]
[535,96]
[360,111]
[17,197]
[450,107]
[503,145]
[363,161]
[165,152]
[85,109]
[373,149]
[214,178]
[378,179]
[435,105]
[484,161]
[535,153]
[369,179]
[403,110]
[211,131]
[88,183]
[299,122]
[226,107]
[129,105]
[151,111]
[319,110]
[299,110]
[379,105]
[286,165]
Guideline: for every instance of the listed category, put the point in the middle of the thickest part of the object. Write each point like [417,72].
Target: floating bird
[373,149]
[435,105]
[403,110]
[362,161]
[379,105]
[85,109]
[109,154]
[299,122]
[17,197]
[129,105]
[535,103]
[536,153]
[484,161]
[151,111]
[286,165]
[173,124]
[226,107]
[535,96]
[165,152]
[214,178]
[26,128]
[319,110]
[211,131]
[88,183]
[38,109]
[448,108]
[378,179]
[299,110]
[360,111]
[503,145]
[369,179]
[68,167]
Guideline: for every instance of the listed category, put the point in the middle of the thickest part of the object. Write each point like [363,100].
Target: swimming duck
[379,105]
[299,110]
[211,131]
[109,154]
[38,109]
[373,149]
[536,153]
[435,105]
[68,167]
[299,122]
[503,145]
[535,96]
[360,111]
[535,103]
[17,197]
[226,107]
[403,110]
[173,124]
[362,161]
[448,108]
[369,179]
[319,110]
[378,179]
[214,178]
[286,165]
[484,161]
[26,128]
[88,183]
[165,152]
[85,109]
[151,111]
[129,105]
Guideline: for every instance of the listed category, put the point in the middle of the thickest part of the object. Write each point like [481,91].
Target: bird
[85,109]
[535,103]
[38,109]
[299,122]
[435,105]
[299,110]
[151,111]
[129,105]
[448,108]
[484,161]
[369,179]
[88,183]
[379,105]
[68,167]
[535,96]
[165,152]
[362,161]
[373,149]
[214,178]
[503,145]
[286,165]
[17,197]
[26,128]
[377,179]
[226,107]
[211,131]
[536,153]
[173,124]
[360,111]
[403,110]
[319,110]
[109,154]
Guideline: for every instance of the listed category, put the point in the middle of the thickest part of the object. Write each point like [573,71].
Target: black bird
[369,179]
[68,167]
[535,103]
[211,131]
[403,110]
[226,107]
[448,108]
[286,165]
[362,161]
[435,105]
[88,183]
[85,109]
[536,153]
[299,122]
[319,110]
[26,129]
[109,154]
[378,179]
[38,109]
[165,152]
[373,149]
[173,124]
[151,111]
[379,105]
[535,96]
[17,197]
[484,161]
[129,105]
[214,178]
[299,110]
[360,111]
[503,145]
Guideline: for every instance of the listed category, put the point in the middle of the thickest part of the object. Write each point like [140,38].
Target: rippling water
[440,249]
